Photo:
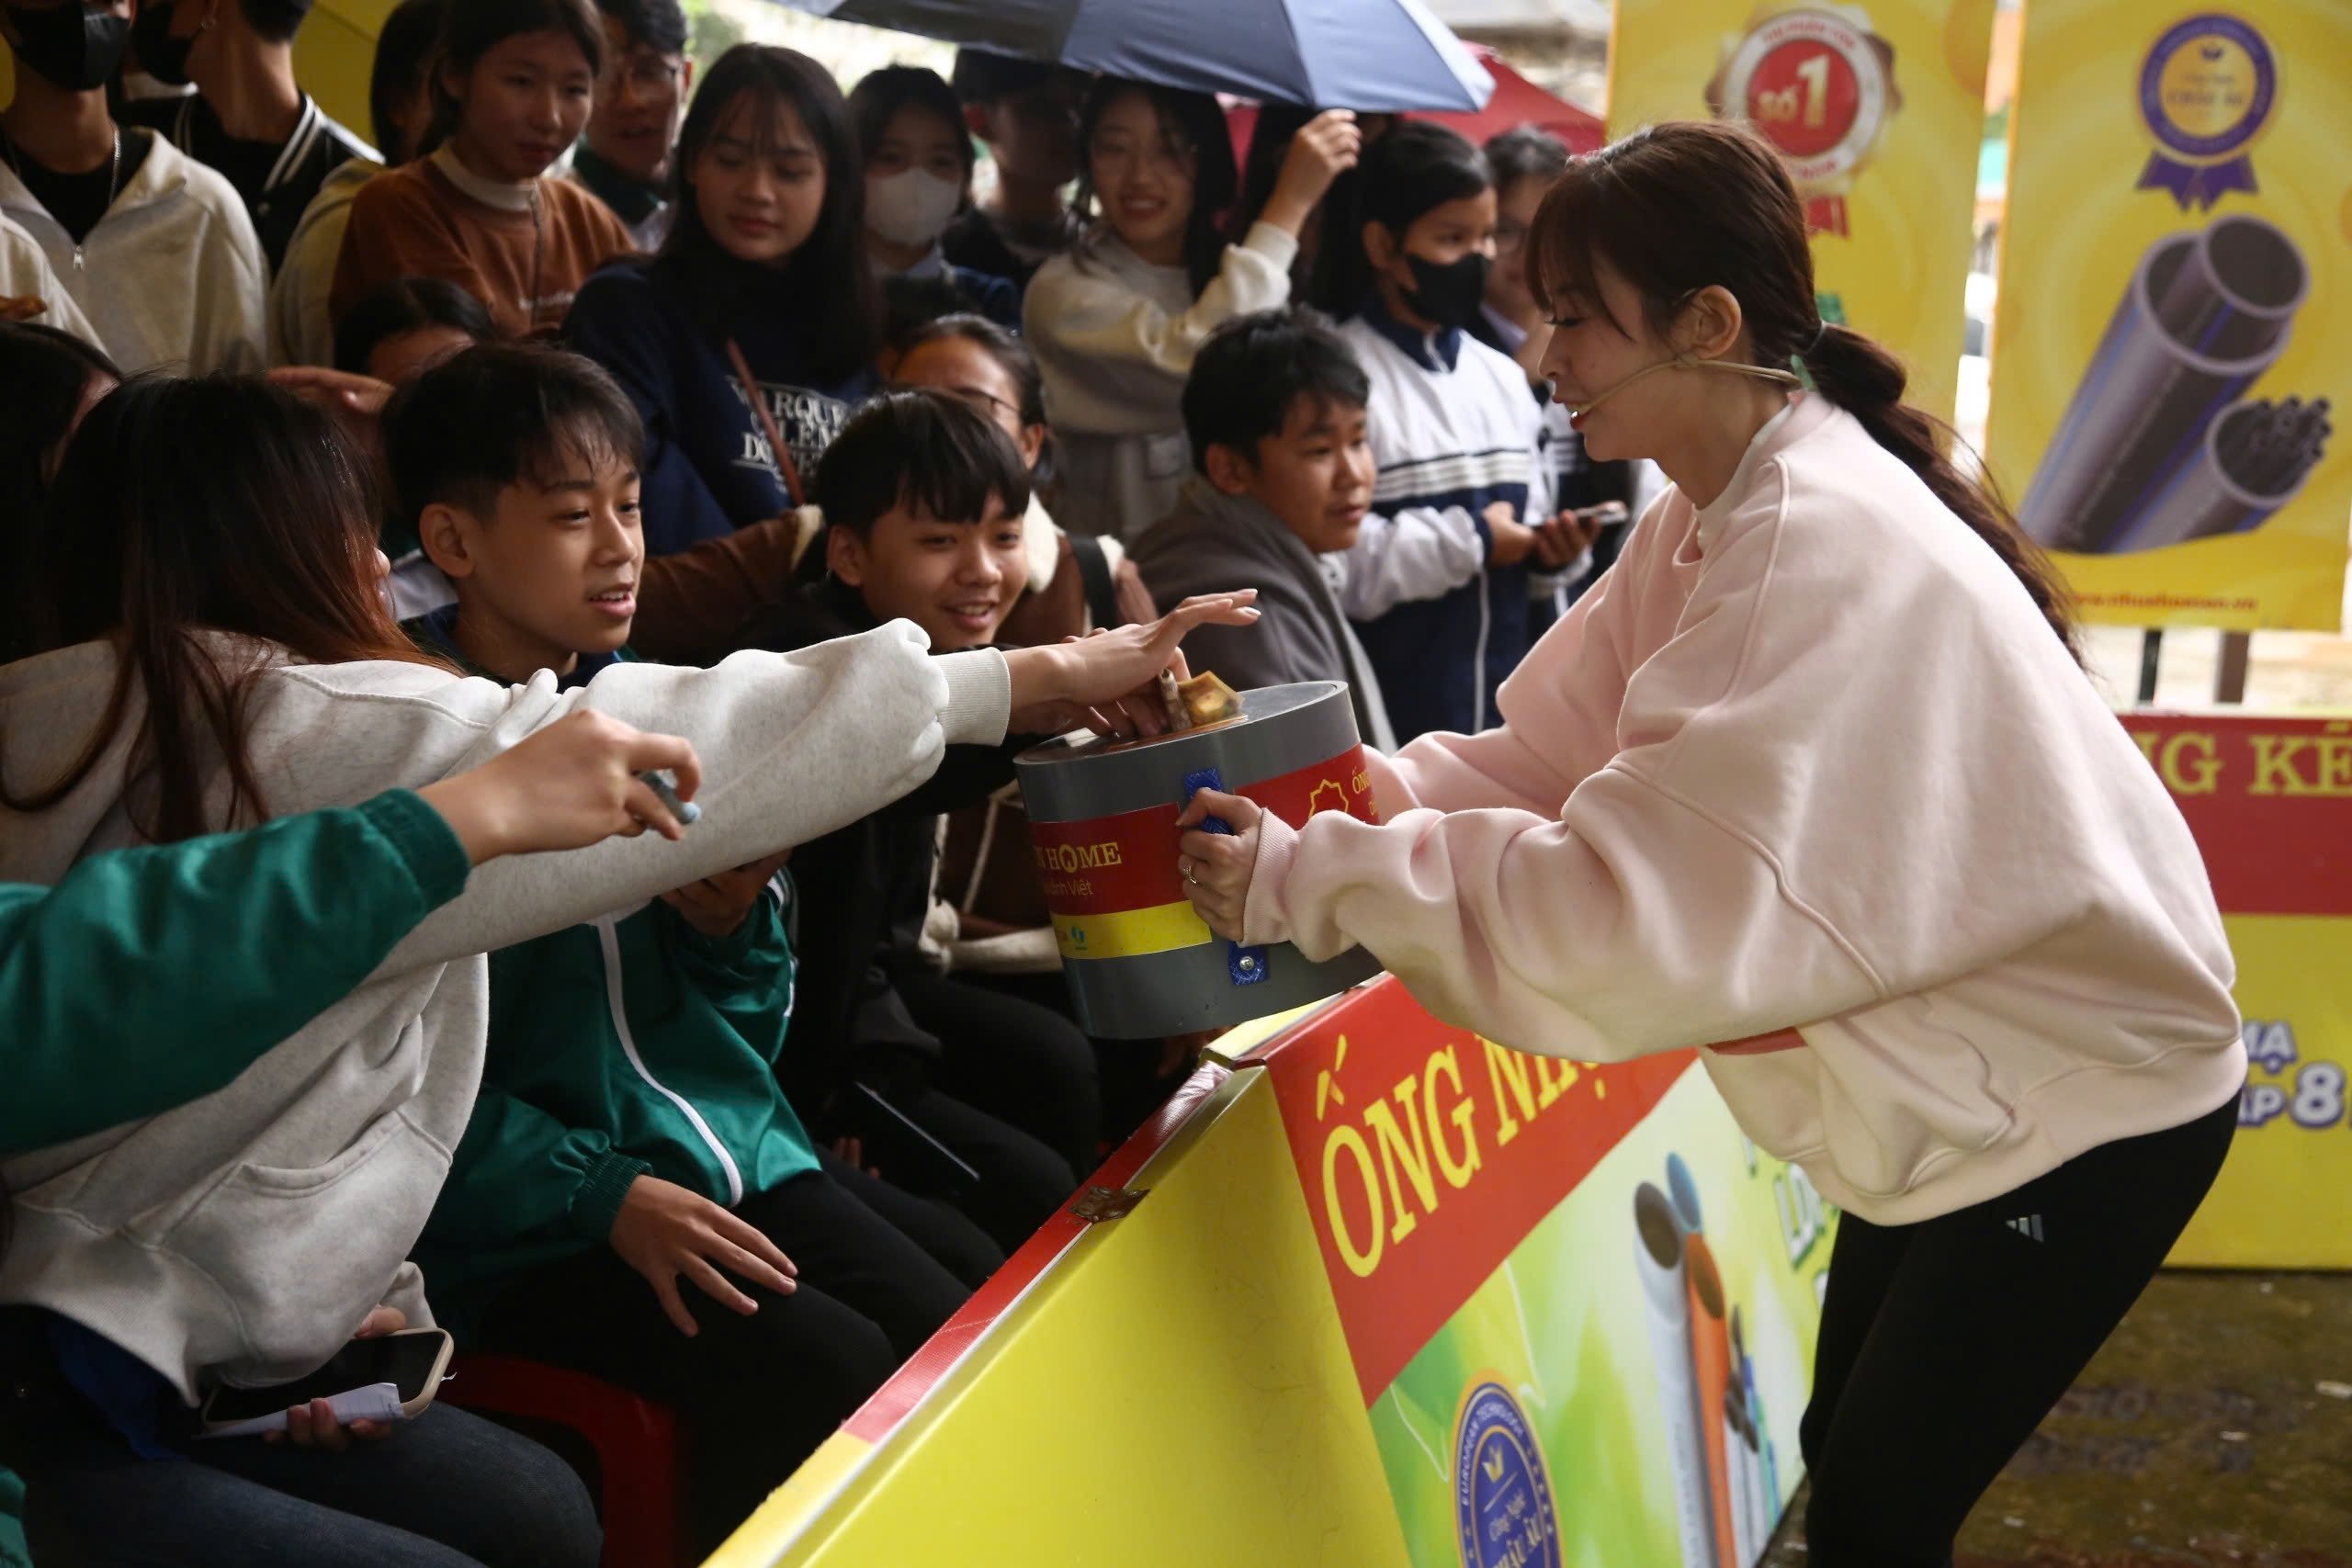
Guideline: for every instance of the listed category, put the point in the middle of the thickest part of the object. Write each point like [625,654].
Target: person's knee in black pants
[1021,1181]
[1025,1064]
[951,1239]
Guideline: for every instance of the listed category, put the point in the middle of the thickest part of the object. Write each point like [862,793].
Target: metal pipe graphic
[2242,474]
[2206,312]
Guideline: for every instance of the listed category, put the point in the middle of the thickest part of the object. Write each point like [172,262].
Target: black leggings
[1943,1344]
[754,1395]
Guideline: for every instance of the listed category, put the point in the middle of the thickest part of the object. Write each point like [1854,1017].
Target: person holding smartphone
[128,990]
[241,1239]
[1815,782]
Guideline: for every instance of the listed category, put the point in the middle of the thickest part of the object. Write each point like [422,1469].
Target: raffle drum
[1102,821]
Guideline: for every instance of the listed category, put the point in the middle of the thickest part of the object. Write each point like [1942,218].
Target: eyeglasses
[1510,238]
[646,73]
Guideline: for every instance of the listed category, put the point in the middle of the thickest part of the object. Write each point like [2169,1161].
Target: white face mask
[911,206]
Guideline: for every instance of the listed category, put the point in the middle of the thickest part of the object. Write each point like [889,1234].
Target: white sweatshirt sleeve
[1417,552]
[1789,824]
[1113,359]
[1569,896]
[793,745]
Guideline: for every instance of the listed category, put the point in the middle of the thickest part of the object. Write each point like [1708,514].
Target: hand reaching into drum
[1108,681]
[1216,867]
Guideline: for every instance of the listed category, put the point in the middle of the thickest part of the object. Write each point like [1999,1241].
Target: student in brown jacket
[512,91]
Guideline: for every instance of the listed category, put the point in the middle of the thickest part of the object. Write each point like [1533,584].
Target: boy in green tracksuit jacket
[630,1131]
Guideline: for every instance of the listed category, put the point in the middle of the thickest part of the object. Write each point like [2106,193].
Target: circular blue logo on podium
[1502,1500]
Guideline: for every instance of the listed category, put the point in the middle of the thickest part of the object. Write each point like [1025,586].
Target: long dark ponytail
[1677,207]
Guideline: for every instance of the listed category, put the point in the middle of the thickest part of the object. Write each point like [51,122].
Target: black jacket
[863,892]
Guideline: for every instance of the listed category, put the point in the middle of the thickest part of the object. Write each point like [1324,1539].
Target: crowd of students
[371,516]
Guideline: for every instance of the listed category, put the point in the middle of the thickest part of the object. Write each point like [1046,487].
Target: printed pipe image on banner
[2176,292]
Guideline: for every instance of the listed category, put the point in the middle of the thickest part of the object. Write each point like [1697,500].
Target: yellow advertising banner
[2176,297]
[1878,109]
[2270,802]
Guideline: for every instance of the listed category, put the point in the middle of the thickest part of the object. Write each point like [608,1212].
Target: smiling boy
[634,1196]
[925,498]
[1282,481]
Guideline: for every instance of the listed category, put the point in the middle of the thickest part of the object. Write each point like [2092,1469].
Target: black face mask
[161,55]
[74,46]
[1449,294]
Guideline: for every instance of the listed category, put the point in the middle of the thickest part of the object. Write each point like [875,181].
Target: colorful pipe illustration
[2206,312]
[1658,1256]
[1759,1514]
[1769,1469]
[1711,1370]
[1737,1489]
[1683,1188]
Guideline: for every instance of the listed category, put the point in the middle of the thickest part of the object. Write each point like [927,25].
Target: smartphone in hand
[412,1362]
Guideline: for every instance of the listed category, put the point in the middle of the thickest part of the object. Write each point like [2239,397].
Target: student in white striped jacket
[1461,533]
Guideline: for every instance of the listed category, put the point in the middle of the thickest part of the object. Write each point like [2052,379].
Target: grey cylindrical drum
[1102,823]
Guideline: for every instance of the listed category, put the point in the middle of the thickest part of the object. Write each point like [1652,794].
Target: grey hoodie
[1214,543]
[242,1237]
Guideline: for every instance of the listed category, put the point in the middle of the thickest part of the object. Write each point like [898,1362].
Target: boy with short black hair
[626,156]
[924,497]
[1274,408]
[249,119]
[630,1120]
[1026,112]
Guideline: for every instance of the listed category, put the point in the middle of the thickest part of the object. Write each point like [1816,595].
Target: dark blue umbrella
[1374,55]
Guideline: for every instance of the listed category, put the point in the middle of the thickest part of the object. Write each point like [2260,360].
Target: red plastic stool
[636,1444]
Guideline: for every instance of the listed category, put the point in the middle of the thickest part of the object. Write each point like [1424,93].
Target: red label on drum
[1105,865]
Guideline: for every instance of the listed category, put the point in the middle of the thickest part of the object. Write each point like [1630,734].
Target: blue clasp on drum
[1243,966]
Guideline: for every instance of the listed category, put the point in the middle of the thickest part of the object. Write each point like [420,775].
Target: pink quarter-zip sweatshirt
[1806,781]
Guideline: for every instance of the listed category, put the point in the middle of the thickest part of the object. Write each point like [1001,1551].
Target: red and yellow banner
[1427,1154]
[2270,802]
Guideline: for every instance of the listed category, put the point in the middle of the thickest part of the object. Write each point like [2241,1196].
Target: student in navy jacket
[1462,533]
[766,258]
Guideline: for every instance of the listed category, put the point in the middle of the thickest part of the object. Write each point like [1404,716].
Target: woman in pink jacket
[1812,780]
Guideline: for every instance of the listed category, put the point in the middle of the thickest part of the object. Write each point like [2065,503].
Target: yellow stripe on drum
[1129,933]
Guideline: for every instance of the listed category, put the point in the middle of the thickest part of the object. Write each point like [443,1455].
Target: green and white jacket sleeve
[519,1173]
[149,977]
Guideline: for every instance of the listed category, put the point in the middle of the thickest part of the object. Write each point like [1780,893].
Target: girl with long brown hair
[1812,780]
